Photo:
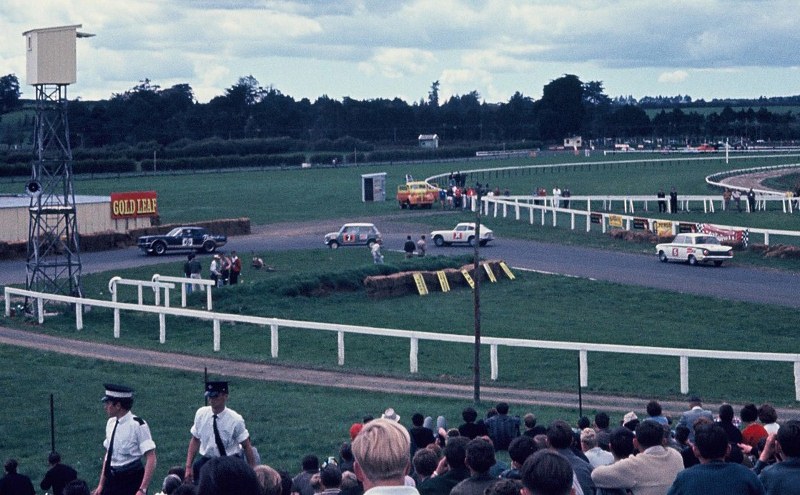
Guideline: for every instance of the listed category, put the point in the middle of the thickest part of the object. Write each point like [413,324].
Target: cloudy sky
[367,49]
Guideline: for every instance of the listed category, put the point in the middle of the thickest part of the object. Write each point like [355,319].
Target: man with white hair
[596,455]
[382,458]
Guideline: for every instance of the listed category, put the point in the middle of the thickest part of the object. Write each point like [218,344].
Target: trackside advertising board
[134,204]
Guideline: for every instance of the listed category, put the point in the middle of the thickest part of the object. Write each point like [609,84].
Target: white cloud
[397,62]
[494,46]
[674,77]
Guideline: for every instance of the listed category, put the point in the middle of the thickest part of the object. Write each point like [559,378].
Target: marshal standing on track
[217,431]
[128,441]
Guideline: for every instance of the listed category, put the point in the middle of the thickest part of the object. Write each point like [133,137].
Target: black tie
[217,438]
[110,450]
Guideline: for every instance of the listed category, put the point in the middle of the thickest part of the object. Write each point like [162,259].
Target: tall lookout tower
[54,261]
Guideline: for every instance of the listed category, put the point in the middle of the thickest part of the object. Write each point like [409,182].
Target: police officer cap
[116,392]
[213,389]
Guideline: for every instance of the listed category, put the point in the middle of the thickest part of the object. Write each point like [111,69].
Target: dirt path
[755,180]
[348,380]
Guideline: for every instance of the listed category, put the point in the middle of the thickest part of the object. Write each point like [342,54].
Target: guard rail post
[493,364]
[413,353]
[273,340]
[340,346]
[684,375]
[583,365]
[78,316]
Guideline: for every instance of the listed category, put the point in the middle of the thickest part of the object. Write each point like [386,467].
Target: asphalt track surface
[729,282]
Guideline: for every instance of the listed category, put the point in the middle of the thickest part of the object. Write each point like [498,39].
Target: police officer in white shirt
[217,431]
[128,441]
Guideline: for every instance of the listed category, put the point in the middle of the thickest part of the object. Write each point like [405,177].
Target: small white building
[428,141]
[51,54]
[573,142]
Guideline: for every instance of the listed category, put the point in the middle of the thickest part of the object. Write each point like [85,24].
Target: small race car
[353,234]
[694,249]
[182,239]
[463,233]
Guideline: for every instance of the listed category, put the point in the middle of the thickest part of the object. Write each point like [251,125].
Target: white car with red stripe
[463,233]
[694,249]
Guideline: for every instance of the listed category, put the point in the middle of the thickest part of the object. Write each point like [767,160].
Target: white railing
[185,283]
[414,337]
[492,206]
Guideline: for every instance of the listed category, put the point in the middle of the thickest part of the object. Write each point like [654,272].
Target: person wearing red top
[752,432]
[236,268]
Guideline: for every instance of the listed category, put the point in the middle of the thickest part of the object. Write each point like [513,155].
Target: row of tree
[568,107]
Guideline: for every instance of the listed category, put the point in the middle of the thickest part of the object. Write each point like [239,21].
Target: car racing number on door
[675,251]
[348,237]
[186,241]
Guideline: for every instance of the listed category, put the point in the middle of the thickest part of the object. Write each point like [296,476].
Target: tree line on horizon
[147,113]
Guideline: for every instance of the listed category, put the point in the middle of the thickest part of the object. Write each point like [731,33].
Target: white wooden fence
[492,206]
[414,337]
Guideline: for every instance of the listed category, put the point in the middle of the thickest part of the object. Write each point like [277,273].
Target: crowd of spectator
[701,452]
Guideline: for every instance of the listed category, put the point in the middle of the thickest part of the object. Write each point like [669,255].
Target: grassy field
[534,306]
[285,421]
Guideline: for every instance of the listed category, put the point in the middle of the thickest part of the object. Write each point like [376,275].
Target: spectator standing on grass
[502,427]
[14,483]
[226,269]
[673,201]
[726,199]
[187,272]
[236,268]
[751,200]
[422,245]
[382,458]
[375,250]
[409,247]
[57,475]
[714,476]
[195,271]
[215,270]
[737,198]
[662,201]
[556,197]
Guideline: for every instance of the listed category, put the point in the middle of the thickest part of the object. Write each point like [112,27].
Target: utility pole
[476,301]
